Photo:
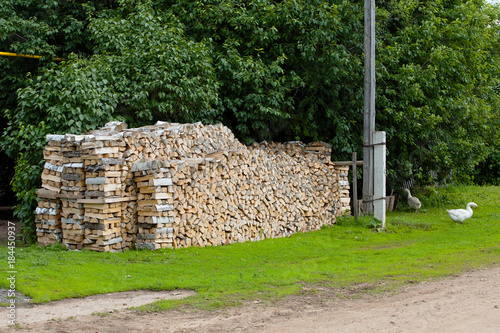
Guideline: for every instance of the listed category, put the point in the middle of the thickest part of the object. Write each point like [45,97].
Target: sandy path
[27,314]
[467,303]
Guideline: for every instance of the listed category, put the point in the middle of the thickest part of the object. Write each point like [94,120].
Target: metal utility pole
[369,106]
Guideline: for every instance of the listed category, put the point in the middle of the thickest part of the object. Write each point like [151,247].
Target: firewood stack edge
[179,185]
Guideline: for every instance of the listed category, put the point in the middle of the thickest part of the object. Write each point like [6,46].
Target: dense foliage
[437,77]
[288,70]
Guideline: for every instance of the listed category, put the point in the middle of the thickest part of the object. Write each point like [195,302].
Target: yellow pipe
[9,54]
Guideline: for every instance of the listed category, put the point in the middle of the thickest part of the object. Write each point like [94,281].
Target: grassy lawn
[414,247]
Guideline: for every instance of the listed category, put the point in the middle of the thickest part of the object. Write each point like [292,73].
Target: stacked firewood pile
[180,185]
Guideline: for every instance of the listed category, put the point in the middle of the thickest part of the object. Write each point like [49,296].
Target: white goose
[460,215]
[413,202]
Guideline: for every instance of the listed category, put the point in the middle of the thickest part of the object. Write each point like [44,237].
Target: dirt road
[469,303]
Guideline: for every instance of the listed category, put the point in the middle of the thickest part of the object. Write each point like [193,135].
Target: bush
[488,172]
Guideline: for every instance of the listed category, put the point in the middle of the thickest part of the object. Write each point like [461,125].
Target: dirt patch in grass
[466,303]
[97,305]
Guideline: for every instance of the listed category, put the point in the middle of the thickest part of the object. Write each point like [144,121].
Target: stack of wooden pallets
[48,211]
[180,185]
[72,188]
[53,168]
[155,208]
[48,221]
[102,155]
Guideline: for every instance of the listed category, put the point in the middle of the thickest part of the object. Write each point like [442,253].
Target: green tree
[437,67]
[287,70]
[49,29]
[140,69]
[437,64]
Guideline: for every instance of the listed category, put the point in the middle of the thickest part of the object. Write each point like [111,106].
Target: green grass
[413,248]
